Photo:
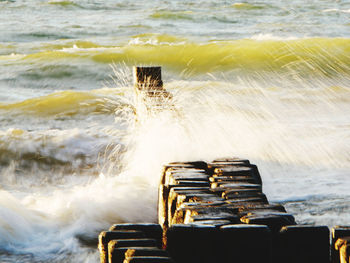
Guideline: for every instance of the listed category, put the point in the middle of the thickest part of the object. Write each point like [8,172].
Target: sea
[265,80]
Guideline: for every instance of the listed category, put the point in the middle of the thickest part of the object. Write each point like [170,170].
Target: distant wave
[320,56]
[173,15]
[65,103]
[247,6]
[336,10]
[64,3]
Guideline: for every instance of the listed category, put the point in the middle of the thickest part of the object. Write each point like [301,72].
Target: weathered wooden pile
[217,212]
[134,243]
[151,97]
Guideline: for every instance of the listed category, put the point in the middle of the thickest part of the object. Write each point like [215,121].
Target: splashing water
[264,81]
[296,134]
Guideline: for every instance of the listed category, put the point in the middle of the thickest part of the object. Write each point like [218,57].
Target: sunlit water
[263,80]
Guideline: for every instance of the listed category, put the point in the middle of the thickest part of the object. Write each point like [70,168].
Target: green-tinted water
[264,80]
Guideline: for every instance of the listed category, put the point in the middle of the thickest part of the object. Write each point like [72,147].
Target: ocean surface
[264,80]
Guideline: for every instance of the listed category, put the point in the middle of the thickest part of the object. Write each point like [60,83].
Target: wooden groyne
[216,212]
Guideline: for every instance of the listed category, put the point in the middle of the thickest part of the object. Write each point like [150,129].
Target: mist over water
[268,81]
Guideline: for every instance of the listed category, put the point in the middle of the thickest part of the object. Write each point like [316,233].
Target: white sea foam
[269,36]
[62,145]
[336,10]
[153,41]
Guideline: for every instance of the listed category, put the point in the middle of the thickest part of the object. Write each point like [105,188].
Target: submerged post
[148,78]
[151,96]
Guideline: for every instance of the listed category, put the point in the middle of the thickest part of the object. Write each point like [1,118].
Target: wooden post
[151,96]
[338,232]
[303,244]
[148,78]
[106,236]
[343,245]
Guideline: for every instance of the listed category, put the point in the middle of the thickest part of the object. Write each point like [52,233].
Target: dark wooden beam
[148,78]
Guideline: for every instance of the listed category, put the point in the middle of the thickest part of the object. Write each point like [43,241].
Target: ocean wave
[70,149]
[267,37]
[40,35]
[69,144]
[69,44]
[247,6]
[173,15]
[157,39]
[64,3]
[315,56]
[335,10]
[67,103]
